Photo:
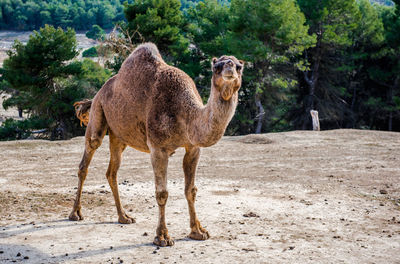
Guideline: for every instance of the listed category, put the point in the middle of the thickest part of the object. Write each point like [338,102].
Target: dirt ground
[295,197]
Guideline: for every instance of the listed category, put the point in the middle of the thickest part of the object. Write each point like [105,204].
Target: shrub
[90,52]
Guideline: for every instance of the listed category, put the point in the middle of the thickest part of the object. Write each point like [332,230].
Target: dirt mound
[255,139]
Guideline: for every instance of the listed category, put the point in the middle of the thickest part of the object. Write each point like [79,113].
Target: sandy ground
[295,197]
[12,112]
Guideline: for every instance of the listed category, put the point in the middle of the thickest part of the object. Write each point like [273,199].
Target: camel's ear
[241,62]
[214,60]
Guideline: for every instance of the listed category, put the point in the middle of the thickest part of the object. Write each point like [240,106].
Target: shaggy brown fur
[155,108]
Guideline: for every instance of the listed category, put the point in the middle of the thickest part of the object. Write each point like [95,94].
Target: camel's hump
[149,49]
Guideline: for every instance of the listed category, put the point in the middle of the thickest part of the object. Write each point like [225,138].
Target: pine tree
[321,84]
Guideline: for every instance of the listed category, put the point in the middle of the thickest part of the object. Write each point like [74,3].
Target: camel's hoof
[75,216]
[162,241]
[199,235]
[126,219]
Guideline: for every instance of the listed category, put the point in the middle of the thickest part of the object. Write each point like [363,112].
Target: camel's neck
[211,121]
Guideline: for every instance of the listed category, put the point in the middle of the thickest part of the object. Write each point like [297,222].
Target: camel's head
[227,75]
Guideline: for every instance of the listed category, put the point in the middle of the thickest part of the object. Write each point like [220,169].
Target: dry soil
[295,197]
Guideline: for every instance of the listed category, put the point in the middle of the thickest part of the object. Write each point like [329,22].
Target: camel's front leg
[189,167]
[159,160]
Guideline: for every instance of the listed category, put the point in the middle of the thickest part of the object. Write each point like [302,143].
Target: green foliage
[158,21]
[46,82]
[340,57]
[13,129]
[96,33]
[271,36]
[90,52]
[335,23]
[33,14]
[33,68]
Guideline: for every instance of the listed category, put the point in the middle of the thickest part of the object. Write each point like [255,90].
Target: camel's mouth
[229,77]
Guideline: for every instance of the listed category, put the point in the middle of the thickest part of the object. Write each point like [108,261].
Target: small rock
[251,214]
[1,251]
[291,247]
[26,257]
[66,254]
[154,252]
[145,234]
[383,191]
[18,254]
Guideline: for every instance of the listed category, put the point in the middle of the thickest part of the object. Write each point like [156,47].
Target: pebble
[251,214]
[18,254]
[383,191]
[26,257]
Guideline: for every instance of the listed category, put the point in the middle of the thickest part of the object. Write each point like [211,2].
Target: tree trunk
[20,112]
[315,120]
[311,77]
[260,115]
[390,126]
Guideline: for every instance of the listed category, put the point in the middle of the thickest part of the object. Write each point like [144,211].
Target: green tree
[158,21]
[96,33]
[368,39]
[207,23]
[384,72]
[45,79]
[271,36]
[321,84]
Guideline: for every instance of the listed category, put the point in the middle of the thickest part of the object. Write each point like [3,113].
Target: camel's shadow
[16,253]
[13,230]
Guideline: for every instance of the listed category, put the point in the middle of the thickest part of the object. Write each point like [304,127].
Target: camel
[156,108]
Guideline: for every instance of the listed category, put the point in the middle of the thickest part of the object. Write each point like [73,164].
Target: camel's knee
[94,143]
[111,176]
[190,193]
[162,197]
[82,172]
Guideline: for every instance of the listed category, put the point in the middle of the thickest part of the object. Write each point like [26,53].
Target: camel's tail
[82,110]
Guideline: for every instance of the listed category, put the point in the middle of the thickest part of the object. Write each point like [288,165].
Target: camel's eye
[238,67]
[218,66]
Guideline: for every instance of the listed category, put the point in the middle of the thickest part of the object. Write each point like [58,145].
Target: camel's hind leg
[95,132]
[116,149]
[190,162]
